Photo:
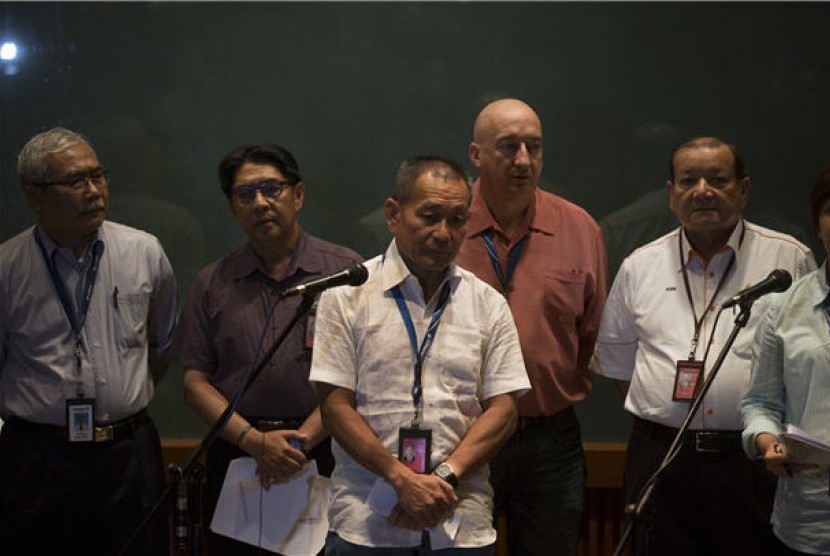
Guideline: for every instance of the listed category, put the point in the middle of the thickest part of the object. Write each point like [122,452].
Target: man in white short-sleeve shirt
[455,413]
[653,341]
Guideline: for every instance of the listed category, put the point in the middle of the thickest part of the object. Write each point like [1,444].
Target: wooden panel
[605,462]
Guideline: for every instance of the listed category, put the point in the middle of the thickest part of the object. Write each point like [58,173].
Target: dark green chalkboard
[164,90]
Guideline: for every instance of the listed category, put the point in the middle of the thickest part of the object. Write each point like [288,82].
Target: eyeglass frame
[250,190]
[98,177]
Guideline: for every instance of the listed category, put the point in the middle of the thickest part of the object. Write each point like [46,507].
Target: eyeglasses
[98,178]
[270,189]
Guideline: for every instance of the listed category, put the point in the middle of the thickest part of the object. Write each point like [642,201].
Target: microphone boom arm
[304,307]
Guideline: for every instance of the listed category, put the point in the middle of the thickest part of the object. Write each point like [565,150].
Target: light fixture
[8,51]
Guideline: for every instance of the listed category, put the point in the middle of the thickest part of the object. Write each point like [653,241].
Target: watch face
[445,472]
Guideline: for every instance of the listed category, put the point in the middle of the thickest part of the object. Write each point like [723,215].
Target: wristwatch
[446,472]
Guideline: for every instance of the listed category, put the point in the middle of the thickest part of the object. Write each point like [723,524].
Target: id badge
[414,447]
[310,324]
[309,331]
[80,419]
[687,380]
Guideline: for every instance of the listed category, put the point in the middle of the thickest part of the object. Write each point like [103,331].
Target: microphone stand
[253,372]
[634,510]
[198,474]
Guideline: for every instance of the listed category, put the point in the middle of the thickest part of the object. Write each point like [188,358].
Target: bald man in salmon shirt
[547,257]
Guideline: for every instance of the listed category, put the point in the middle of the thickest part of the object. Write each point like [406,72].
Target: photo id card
[414,447]
[80,419]
[687,380]
[310,324]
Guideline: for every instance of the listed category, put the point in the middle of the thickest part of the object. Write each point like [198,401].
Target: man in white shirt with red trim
[654,341]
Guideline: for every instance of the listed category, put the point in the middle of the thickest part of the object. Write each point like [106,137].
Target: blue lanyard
[512,260]
[426,345]
[76,322]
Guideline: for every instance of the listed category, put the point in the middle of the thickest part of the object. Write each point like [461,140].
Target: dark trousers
[219,457]
[706,502]
[335,546]
[539,482]
[79,499]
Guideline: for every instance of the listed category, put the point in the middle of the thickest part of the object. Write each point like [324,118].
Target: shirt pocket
[460,363]
[564,295]
[131,319]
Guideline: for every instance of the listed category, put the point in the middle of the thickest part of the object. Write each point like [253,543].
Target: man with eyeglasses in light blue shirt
[228,324]
[87,309]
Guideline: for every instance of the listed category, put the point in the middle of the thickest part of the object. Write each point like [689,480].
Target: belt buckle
[703,444]
[104,434]
[525,423]
[265,425]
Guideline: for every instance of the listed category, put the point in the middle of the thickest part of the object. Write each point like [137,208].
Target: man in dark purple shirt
[225,328]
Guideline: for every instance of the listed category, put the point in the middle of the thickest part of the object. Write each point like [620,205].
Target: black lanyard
[512,260]
[698,322]
[426,344]
[75,322]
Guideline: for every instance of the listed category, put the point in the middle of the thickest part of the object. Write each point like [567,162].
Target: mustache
[94,206]
[266,219]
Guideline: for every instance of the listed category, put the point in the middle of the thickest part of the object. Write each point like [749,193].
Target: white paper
[382,498]
[443,535]
[802,447]
[294,517]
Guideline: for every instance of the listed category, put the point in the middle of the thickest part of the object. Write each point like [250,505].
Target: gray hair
[31,162]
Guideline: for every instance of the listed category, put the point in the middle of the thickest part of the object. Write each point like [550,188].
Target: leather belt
[265,424]
[717,441]
[102,433]
[524,423]
[701,441]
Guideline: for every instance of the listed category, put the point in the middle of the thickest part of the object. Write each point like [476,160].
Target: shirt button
[710,411]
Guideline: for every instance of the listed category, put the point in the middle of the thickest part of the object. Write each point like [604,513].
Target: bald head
[498,113]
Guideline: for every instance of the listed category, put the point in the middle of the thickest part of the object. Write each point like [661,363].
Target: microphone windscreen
[358,274]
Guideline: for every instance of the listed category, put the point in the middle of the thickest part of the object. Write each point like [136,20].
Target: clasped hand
[277,461]
[424,501]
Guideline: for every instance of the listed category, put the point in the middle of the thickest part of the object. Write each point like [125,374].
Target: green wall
[164,90]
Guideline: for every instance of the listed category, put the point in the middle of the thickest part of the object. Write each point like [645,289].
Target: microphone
[352,275]
[777,281]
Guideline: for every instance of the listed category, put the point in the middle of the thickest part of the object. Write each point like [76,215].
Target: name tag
[80,419]
[414,445]
[688,380]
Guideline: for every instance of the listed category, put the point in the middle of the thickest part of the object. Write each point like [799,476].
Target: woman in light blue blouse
[791,385]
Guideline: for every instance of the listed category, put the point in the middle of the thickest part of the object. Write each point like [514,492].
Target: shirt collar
[821,293]
[481,219]
[52,247]
[303,262]
[394,271]
[733,243]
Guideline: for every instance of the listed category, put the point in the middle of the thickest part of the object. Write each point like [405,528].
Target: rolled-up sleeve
[763,405]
